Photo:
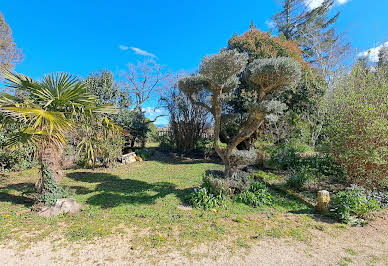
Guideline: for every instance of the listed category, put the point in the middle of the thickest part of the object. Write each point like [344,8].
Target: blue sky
[84,36]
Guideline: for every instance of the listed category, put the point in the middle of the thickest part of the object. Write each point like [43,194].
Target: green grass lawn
[148,201]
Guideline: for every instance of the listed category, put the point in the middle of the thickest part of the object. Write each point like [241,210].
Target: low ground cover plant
[257,195]
[353,206]
[216,191]
[204,198]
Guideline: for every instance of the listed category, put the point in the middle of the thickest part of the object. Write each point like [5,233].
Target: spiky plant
[45,111]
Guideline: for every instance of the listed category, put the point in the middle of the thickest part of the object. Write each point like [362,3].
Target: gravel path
[356,246]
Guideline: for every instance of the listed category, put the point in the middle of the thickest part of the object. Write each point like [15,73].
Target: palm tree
[45,111]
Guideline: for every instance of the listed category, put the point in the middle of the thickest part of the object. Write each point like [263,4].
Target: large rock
[128,158]
[66,205]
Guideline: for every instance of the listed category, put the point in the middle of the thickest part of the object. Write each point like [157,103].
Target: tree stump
[323,201]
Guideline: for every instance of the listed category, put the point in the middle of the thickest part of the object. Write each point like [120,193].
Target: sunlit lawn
[148,201]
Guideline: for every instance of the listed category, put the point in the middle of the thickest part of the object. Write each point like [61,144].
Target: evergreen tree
[313,31]
[102,85]
[292,16]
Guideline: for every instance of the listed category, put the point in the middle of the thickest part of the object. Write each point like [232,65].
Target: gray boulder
[66,205]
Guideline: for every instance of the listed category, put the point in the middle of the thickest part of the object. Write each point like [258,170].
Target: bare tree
[188,122]
[142,80]
[9,54]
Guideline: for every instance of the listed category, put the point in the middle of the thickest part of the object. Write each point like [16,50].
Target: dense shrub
[357,131]
[285,157]
[166,142]
[98,146]
[136,126]
[218,183]
[111,149]
[17,159]
[153,134]
[323,165]
[291,157]
[256,195]
[352,206]
[145,153]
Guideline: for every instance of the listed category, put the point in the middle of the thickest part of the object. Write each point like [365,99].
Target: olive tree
[219,77]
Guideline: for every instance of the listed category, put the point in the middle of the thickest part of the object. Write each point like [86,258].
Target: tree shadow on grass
[23,188]
[114,191]
[307,209]
[185,160]
[170,157]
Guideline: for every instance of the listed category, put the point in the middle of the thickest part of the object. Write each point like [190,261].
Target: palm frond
[18,81]
[103,109]
[8,99]
[18,139]
[66,91]
[86,147]
[39,119]
[111,126]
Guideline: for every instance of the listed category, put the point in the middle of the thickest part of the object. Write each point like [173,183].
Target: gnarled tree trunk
[247,129]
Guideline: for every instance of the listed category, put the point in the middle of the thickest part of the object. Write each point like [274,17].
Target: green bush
[309,170]
[19,159]
[352,206]
[301,177]
[357,126]
[98,146]
[111,149]
[153,133]
[257,195]
[285,157]
[145,154]
[203,198]
[216,181]
[166,142]
[323,165]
